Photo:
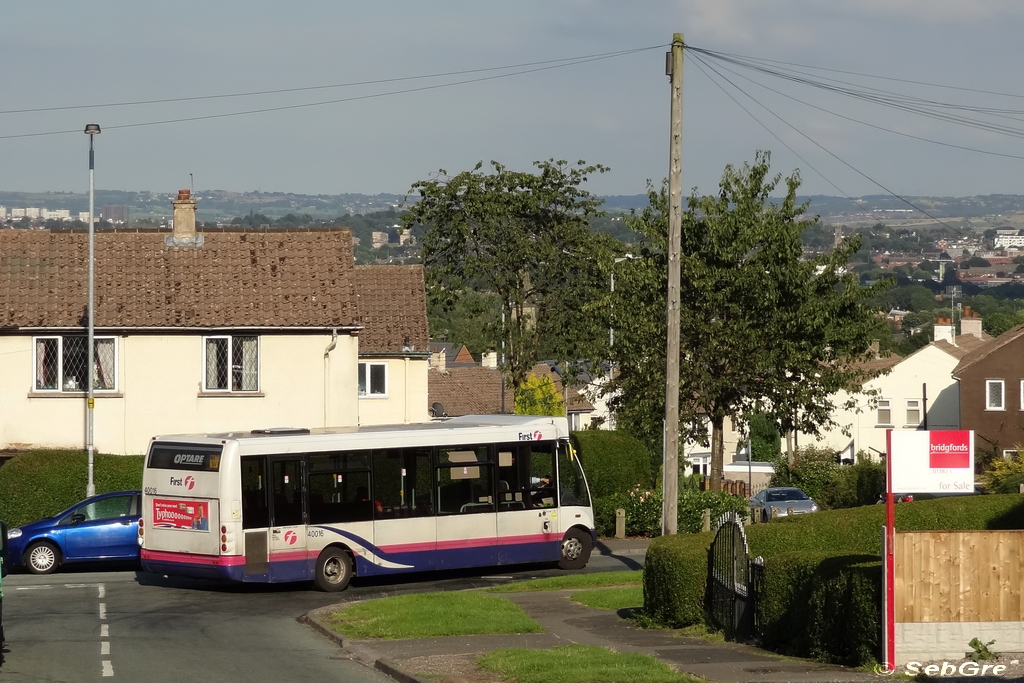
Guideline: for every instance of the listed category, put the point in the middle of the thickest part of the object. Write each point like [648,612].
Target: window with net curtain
[60,363]
[231,362]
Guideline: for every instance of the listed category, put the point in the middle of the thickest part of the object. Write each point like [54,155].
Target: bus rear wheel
[333,570]
[576,547]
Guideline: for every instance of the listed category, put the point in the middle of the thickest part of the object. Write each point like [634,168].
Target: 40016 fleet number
[315,533]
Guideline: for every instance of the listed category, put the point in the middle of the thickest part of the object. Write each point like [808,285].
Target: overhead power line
[512,71]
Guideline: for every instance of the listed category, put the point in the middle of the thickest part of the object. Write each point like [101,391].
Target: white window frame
[913,405]
[1009,453]
[364,379]
[989,383]
[883,404]
[62,382]
[229,389]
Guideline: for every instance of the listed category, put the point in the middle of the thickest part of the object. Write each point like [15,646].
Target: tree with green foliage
[761,328]
[765,438]
[525,238]
[1000,322]
[539,396]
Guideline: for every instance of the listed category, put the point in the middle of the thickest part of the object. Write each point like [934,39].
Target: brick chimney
[438,361]
[183,227]
[943,330]
[489,360]
[970,323]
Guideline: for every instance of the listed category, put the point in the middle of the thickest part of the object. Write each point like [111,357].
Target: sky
[337,96]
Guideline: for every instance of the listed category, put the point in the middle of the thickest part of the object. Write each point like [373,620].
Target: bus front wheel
[576,547]
[333,570]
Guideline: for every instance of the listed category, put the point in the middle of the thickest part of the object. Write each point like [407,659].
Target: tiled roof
[965,344]
[234,279]
[576,402]
[468,391]
[987,348]
[476,390]
[392,304]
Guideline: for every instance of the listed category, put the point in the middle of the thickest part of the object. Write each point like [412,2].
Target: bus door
[287,542]
[527,512]
[256,516]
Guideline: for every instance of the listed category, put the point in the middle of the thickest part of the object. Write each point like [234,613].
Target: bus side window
[513,480]
[339,485]
[465,480]
[542,476]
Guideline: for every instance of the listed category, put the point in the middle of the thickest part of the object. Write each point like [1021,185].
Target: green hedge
[675,577]
[831,556]
[818,605]
[643,508]
[614,461]
[38,484]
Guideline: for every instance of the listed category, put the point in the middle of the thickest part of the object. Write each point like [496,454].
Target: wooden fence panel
[959,576]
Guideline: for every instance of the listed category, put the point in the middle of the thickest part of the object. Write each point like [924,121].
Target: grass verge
[432,615]
[619,597]
[579,664]
[557,583]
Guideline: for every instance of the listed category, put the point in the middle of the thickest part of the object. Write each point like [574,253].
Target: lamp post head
[92,129]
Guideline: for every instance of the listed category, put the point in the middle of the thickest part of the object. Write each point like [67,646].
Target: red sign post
[940,461]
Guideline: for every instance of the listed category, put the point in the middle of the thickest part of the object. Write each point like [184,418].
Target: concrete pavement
[566,623]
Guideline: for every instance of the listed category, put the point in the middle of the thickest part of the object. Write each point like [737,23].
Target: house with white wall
[203,332]
[916,392]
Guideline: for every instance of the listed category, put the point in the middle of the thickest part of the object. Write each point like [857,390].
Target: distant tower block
[838,236]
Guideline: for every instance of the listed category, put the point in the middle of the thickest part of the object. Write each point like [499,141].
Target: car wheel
[333,570]
[42,558]
[576,547]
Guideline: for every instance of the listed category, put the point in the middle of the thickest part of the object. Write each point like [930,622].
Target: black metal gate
[732,578]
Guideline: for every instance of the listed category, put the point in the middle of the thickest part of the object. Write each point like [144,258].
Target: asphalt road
[81,625]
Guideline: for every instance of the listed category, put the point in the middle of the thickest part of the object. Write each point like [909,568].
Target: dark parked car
[777,501]
[104,527]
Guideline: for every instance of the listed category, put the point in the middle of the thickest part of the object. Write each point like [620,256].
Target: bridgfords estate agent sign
[932,462]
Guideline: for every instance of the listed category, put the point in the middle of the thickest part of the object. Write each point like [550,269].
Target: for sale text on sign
[940,461]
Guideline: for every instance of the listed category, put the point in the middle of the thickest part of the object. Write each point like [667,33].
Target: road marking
[108,668]
[103,610]
[103,591]
[105,648]
[33,588]
[104,631]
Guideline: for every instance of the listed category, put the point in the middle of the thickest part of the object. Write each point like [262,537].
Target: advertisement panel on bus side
[190,515]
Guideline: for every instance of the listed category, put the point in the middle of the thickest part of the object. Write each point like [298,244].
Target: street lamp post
[91,130]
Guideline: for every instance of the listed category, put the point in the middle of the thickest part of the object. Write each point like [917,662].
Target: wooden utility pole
[670,475]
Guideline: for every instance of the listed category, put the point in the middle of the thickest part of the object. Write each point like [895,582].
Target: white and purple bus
[325,505]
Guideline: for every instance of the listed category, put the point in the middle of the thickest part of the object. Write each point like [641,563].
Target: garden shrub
[853,486]
[41,483]
[643,508]
[614,461]
[1004,475]
[813,471]
[675,575]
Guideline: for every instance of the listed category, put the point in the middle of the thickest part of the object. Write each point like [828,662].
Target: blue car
[104,527]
